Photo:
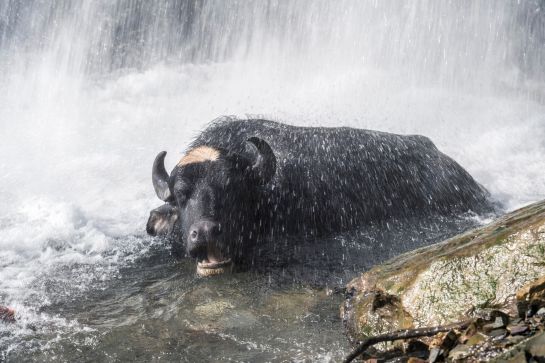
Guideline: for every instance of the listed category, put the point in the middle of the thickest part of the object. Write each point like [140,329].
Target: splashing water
[91,91]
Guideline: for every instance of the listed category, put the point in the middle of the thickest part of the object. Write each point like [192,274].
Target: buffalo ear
[262,160]
[162,220]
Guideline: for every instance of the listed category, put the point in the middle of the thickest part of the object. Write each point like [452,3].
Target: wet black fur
[327,180]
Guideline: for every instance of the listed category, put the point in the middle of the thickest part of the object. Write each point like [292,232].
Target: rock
[439,284]
[515,339]
[292,303]
[213,309]
[445,341]
[531,298]
[461,351]
[532,290]
[378,313]
[519,357]
[476,339]
[416,346]
[517,329]
[416,360]
[498,333]
[7,314]
[435,355]
[532,348]
[499,322]
[536,346]
[417,349]
[470,331]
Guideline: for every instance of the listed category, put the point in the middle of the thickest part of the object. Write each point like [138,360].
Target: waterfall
[483,44]
[92,90]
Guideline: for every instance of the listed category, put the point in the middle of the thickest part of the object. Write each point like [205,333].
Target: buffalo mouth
[214,263]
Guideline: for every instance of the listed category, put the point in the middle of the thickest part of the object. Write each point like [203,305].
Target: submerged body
[243,181]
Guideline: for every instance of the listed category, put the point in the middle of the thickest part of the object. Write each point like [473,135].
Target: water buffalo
[244,181]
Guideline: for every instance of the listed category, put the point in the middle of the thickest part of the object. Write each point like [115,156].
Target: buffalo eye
[182,190]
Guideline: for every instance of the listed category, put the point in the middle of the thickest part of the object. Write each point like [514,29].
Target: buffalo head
[213,201]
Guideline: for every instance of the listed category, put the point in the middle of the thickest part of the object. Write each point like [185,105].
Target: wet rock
[536,347]
[416,360]
[532,290]
[377,313]
[488,315]
[498,268]
[477,338]
[213,309]
[531,297]
[512,340]
[292,304]
[470,331]
[445,341]
[515,321]
[436,354]
[439,284]
[531,349]
[519,357]
[499,322]
[417,349]
[7,314]
[473,345]
[517,329]
[238,319]
[498,333]
[459,352]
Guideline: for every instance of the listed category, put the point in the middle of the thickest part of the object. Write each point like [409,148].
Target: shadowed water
[154,307]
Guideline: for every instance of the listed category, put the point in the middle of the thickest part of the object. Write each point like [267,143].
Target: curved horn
[264,166]
[159,177]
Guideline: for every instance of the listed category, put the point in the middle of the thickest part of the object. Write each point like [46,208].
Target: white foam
[72,191]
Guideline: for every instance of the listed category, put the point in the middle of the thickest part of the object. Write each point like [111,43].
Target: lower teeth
[212,271]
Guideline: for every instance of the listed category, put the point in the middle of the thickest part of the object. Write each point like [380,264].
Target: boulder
[448,281]
[531,349]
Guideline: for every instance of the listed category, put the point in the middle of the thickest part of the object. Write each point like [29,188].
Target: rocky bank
[473,278]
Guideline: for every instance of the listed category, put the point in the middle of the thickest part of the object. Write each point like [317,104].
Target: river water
[90,91]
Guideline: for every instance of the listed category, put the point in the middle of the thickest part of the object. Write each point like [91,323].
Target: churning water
[90,91]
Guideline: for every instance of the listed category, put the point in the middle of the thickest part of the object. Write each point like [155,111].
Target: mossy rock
[439,284]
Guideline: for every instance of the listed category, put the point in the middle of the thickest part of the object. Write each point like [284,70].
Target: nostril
[150,229]
[194,235]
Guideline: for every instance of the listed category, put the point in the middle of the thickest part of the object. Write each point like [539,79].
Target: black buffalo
[246,181]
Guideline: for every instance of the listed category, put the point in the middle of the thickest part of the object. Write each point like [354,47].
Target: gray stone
[498,333]
[460,351]
[519,357]
[476,339]
[499,322]
[536,346]
[435,354]
[438,284]
[517,329]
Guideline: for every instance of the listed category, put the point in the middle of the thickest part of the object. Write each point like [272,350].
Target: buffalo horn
[160,178]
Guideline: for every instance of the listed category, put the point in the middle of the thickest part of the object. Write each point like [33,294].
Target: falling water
[90,91]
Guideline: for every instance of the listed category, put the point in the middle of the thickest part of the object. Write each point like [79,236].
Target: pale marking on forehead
[199,154]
